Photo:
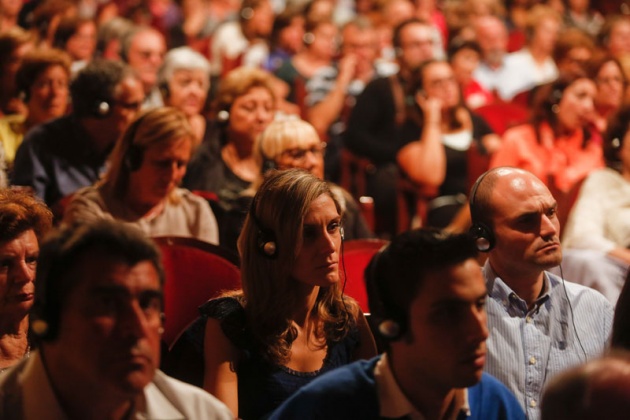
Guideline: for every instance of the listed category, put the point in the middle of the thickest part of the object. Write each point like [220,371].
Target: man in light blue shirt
[539,323]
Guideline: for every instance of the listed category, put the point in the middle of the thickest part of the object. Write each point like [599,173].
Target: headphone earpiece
[223,116]
[615,143]
[247,13]
[164,91]
[102,109]
[267,165]
[308,38]
[266,241]
[342,233]
[393,323]
[480,232]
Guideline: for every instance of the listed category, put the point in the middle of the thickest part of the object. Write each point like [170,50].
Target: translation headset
[134,154]
[480,231]
[393,323]
[101,109]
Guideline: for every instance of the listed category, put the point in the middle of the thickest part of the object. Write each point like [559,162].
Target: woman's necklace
[26,355]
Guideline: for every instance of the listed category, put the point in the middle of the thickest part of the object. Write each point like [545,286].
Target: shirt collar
[394,404]
[505,296]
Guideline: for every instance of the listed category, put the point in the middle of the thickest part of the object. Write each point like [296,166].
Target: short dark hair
[401,26]
[95,83]
[21,211]
[62,251]
[397,272]
[614,136]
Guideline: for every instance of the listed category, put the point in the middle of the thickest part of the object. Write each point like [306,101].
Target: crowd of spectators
[170,116]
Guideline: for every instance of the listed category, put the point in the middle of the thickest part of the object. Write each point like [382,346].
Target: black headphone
[265,238]
[481,232]
[134,154]
[101,109]
[393,323]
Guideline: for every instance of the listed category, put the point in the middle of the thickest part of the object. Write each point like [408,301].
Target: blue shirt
[568,325]
[349,392]
[57,158]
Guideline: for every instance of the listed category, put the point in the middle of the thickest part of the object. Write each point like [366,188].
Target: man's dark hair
[97,83]
[398,271]
[401,26]
[64,249]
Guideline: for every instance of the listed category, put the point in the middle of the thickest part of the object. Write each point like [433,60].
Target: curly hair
[279,208]
[21,211]
[38,61]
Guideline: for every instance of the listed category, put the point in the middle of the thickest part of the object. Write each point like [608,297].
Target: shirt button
[528,319]
[532,403]
[532,361]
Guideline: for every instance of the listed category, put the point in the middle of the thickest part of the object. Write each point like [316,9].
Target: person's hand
[431,108]
[347,69]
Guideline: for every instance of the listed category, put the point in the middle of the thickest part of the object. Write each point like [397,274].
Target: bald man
[539,323]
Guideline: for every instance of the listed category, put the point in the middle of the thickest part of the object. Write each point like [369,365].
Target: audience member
[140,186]
[381,110]
[243,108]
[440,131]
[98,314]
[599,389]
[143,48]
[533,65]
[61,156]
[612,83]
[434,320]
[14,45]
[24,221]
[243,42]
[42,80]
[540,324]
[556,145]
[573,51]
[614,37]
[184,81]
[259,350]
[464,58]
[76,36]
[9,11]
[109,38]
[293,143]
[598,229]
[286,38]
[492,36]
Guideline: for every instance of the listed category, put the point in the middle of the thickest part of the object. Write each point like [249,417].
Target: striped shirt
[528,347]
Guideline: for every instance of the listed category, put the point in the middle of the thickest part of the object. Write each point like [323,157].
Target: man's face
[445,344]
[416,46]
[109,334]
[526,226]
[145,56]
[128,98]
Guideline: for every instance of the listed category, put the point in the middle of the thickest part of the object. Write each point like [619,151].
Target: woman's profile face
[188,90]
[317,264]
[48,96]
[162,169]
[18,261]
[576,109]
[251,113]
[307,155]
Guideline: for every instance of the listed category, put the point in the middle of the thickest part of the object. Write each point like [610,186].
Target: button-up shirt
[567,325]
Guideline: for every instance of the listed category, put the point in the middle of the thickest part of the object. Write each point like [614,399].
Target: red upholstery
[503,115]
[195,272]
[356,256]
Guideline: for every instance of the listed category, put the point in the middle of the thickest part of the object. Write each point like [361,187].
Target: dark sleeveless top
[263,386]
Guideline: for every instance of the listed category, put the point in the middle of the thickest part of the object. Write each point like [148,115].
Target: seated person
[24,221]
[598,229]
[433,319]
[141,184]
[98,316]
[290,323]
[61,156]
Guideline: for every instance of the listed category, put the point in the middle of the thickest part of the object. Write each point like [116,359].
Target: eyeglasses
[299,153]
[610,80]
[132,106]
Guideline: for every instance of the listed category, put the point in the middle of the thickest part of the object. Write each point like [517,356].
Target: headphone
[265,238]
[223,117]
[134,154]
[101,109]
[308,38]
[393,323]
[481,232]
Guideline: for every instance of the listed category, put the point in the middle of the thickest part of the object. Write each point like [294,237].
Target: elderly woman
[43,79]
[24,221]
[294,143]
[184,80]
[141,185]
[290,323]
[244,106]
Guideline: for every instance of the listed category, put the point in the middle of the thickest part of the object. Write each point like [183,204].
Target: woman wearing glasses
[294,143]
